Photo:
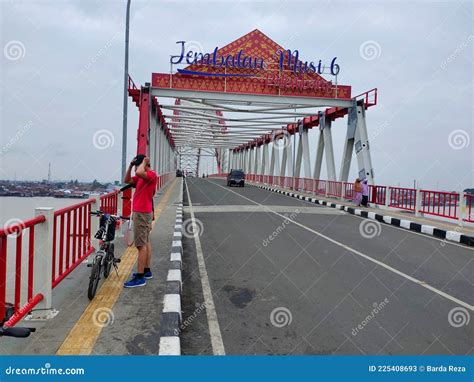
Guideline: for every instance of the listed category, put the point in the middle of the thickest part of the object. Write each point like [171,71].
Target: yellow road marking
[84,334]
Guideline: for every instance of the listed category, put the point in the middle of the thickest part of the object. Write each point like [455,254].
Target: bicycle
[104,258]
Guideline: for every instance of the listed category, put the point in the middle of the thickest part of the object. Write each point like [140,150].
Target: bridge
[288,264]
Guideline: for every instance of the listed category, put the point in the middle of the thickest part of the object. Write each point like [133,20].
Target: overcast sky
[62,73]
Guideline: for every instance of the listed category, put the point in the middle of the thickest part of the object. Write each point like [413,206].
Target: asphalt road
[289,277]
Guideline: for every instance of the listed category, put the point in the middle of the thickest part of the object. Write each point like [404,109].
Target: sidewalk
[442,229]
[118,321]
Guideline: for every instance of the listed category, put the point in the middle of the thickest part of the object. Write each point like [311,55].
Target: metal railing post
[326,190]
[388,196]
[119,205]
[462,212]
[94,221]
[418,202]
[43,265]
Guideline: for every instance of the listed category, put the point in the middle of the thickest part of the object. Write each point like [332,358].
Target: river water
[12,207]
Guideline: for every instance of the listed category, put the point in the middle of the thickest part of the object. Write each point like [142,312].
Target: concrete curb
[170,343]
[387,219]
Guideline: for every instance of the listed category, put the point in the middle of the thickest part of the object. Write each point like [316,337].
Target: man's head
[137,161]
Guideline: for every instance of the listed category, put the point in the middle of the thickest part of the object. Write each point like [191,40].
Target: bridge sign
[252,64]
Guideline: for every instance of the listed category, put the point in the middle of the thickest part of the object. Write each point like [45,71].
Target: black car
[179,173]
[236,177]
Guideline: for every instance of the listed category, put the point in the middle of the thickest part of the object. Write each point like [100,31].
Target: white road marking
[356,252]
[407,230]
[212,321]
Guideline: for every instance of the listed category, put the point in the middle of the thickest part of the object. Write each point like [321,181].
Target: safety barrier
[469,201]
[72,236]
[403,198]
[439,203]
[378,194]
[164,178]
[109,202]
[18,232]
[66,235]
[451,205]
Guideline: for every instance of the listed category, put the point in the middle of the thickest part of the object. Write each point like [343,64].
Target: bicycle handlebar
[100,213]
[126,187]
[16,332]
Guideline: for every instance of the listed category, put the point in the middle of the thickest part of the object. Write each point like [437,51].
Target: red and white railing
[450,205]
[72,236]
[164,178]
[41,252]
[22,233]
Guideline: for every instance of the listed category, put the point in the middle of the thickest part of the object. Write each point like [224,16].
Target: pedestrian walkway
[118,320]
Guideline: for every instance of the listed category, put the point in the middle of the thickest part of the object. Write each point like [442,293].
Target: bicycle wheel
[129,238]
[95,277]
[109,259]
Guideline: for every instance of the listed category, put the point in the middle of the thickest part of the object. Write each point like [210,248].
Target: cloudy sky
[62,73]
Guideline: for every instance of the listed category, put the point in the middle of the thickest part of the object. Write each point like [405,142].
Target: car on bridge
[236,177]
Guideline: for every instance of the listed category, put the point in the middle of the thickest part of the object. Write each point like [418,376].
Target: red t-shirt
[144,191]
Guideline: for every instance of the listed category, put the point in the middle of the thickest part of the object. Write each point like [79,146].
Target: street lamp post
[125,95]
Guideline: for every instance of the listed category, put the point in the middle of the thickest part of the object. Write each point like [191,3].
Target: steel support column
[144,121]
[362,148]
[328,149]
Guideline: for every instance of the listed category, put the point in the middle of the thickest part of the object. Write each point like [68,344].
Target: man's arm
[128,175]
[141,170]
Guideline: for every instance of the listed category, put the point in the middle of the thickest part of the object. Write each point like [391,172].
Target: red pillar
[144,121]
[126,202]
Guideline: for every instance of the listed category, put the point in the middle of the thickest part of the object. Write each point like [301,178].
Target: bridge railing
[164,178]
[19,232]
[468,203]
[440,203]
[37,254]
[109,202]
[450,205]
[403,198]
[72,236]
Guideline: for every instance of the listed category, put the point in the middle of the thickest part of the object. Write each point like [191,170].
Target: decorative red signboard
[252,64]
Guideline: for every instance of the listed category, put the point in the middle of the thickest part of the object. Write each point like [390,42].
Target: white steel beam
[249,98]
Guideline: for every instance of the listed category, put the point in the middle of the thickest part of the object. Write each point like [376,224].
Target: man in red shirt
[145,181]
